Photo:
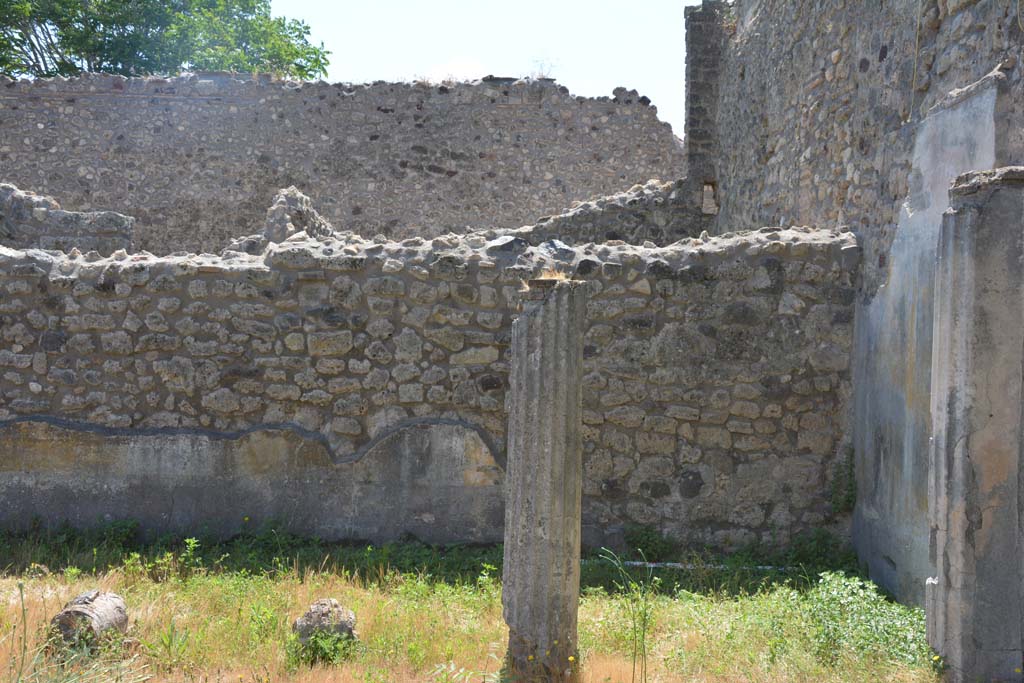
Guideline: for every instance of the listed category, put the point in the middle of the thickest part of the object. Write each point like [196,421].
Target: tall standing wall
[814,98]
[861,114]
[196,159]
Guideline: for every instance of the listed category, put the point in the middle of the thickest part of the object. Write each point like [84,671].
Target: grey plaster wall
[717,378]
[974,602]
[197,159]
[892,426]
[438,481]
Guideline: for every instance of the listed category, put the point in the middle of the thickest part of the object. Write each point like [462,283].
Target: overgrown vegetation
[322,648]
[205,611]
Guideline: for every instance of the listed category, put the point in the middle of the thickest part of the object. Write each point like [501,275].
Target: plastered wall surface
[893,423]
[973,600]
[320,379]
[196,159]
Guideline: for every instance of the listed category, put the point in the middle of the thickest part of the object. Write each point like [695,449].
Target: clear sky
[589,46]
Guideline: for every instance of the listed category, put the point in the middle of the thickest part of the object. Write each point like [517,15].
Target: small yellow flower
[1017,670]
[571,658]
[556,642]
[935,658]
[246,518]
[547,652]
[530,658]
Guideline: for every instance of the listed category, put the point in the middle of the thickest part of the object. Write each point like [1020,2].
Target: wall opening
[709,200]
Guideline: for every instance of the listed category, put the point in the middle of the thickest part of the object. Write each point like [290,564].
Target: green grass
[205,611]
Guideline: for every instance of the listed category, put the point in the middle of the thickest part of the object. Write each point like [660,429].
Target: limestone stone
[222,400]
[408,346]
[478,355]
[330,343]
[282,337]
[326,616]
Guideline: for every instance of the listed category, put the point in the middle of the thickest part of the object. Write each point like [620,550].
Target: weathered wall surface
[656,212]
[29,220]
[197,159]
[892,427]
[717,375]
[436,479]
[814,95]
[818,116]
[974,602]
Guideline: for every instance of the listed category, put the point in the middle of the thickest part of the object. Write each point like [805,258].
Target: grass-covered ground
[222,612]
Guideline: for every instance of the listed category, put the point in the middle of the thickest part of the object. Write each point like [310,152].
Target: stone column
[541,582]
[974,603]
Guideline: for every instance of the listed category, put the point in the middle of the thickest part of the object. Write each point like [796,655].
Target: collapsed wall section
[193,157]
[28,220]
[357,389]
[655,213]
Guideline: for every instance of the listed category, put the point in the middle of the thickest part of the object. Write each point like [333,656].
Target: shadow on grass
[269,551]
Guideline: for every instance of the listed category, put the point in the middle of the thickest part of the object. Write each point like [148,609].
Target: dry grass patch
[434,615]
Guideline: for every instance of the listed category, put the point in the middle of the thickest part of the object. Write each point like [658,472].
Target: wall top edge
[489,89]
[450,257]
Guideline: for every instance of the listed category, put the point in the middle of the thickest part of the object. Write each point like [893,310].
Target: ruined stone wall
[29,220]
[656,213]
[196,159]
[355,388]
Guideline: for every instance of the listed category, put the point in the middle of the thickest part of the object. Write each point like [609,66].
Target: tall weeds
[637,593]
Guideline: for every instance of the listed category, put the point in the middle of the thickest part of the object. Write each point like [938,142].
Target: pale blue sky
[591,46]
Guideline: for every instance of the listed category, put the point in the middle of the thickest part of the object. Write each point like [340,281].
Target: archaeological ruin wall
[356,388]
[196,159]
[809,103]
[862,114]
[31,221]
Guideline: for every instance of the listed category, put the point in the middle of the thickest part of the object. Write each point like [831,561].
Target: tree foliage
[135,37]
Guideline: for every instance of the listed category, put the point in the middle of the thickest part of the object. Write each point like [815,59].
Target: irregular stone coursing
[812,99]
[196,158]
[717,372]
[861,114]
[656,212]
[29,220]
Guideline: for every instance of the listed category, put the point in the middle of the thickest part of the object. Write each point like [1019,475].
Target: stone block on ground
[328,616]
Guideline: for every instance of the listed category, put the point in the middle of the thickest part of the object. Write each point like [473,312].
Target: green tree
[135,37]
